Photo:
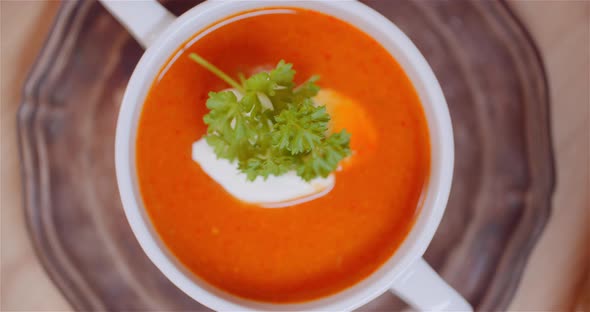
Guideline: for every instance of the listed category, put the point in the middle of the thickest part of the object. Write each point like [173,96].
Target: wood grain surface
[577,120]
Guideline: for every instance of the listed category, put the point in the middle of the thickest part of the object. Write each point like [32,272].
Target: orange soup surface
[301,252]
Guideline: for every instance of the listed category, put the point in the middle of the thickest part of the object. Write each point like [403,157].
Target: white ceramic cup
[406,274]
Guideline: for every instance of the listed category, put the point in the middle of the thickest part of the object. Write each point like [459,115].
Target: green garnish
[275,127]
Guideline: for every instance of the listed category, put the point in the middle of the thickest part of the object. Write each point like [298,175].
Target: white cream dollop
[274,192]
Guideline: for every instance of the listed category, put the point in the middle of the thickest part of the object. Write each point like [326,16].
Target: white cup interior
[434,196]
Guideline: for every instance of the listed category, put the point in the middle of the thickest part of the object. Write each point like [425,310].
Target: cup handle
[422,288]
[145,20]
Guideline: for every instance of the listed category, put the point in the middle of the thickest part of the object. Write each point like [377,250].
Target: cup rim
[434,197]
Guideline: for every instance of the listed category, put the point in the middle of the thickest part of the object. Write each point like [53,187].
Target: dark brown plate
[492,78]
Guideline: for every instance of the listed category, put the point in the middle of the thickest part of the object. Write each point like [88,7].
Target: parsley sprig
[273,126]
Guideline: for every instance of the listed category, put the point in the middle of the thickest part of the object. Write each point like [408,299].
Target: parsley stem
[201,61]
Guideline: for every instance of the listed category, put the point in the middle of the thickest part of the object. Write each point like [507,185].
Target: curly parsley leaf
[260,82]
[265,165]
[307,89]
[271,127]
[283,74]
[299,128]
[324,158]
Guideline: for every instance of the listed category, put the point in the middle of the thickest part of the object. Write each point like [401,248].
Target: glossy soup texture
[306,251]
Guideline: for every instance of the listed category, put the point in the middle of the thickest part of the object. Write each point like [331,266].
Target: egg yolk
[346,113]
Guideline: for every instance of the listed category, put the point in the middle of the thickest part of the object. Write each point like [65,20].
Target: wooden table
[556,277]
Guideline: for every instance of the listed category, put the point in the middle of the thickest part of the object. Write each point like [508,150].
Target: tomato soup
[305,251]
